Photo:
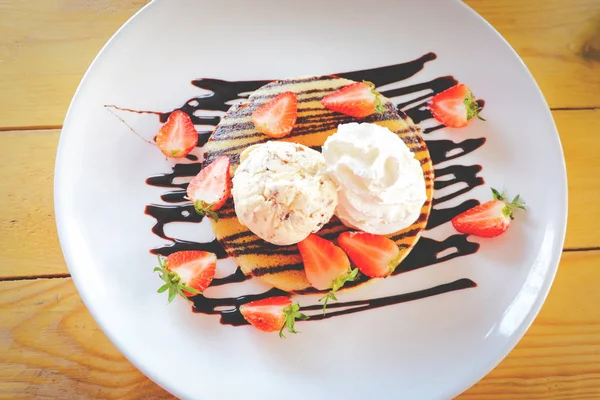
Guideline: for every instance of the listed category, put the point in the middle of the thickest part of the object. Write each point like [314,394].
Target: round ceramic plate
[461,304]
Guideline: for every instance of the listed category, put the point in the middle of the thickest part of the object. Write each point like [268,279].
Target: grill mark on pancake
[320,91]
[319,124]
[237,236]
[278,269]
[306,79]
[405,234]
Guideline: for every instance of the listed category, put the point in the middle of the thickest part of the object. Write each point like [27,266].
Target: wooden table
[50,347]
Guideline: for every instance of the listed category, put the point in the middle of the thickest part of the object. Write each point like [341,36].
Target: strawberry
[272,314]
[177,137]
[186,273]
[489,219]
[326,266]
[277,117]
[210,189]
[359,100]
[455,107]
[374,255]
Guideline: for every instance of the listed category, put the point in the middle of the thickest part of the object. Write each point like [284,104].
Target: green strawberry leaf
[204,209]
[173,283]
[337,285]
[292,313]
[472,106]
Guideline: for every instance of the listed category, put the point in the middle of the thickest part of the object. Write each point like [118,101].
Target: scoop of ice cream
[282,193]
[381,184]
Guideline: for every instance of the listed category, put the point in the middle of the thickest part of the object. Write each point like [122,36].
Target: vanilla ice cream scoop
[381,184]
[282,193]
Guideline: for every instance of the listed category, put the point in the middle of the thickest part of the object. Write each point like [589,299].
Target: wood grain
[46,46]
[29,241]
[580,137]
[52,348]
[29,232]
[559,357]
[558,41]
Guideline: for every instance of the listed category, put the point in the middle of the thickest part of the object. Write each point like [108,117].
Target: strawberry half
[277,117]
[489,219]
[326,266]
[186,273]
[177,137]
[374,255]
[359,100]
[210,189]
[455,107]
[272,314]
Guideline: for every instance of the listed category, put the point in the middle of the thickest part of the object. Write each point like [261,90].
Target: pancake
[281,266]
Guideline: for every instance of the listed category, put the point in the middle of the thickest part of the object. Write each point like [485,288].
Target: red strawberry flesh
[177,137]
[324,262]
[489,219]
[267,314]
[277,117]
[196,269]
[358,100]
[375,256]
[455,107]
[210,189]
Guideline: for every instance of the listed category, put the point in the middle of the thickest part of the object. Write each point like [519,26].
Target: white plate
[433,348]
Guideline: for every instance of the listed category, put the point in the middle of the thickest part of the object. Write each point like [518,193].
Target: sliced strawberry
[326,265]
[489,219]
[359,100]
[455,107]
[186,273]
[272,314]
[277,117]
[374,255]
[177,137]
[210,189]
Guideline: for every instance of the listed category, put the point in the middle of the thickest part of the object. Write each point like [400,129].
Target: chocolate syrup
[230,306]
[364,305]
[178,245]
[178,171]
[220,93]
[237,277]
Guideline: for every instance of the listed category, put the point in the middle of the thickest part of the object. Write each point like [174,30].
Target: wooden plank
[581,144]
[558,41]
[29,241]
[52,348]
[27,210]
[559,357]
[46,46]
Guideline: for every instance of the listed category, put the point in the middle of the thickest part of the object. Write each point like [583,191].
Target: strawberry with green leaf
[186,273]
[273,314]
[489,219]
[326,266]
[210,189]
[455,107]
[359,99]
[375,256]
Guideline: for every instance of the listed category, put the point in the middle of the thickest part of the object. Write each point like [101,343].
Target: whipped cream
[282,192]
[381,187]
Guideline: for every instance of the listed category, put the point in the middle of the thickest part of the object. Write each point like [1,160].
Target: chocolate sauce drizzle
[229,308]
[220,93]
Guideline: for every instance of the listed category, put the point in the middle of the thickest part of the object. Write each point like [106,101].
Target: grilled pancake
[281,266]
